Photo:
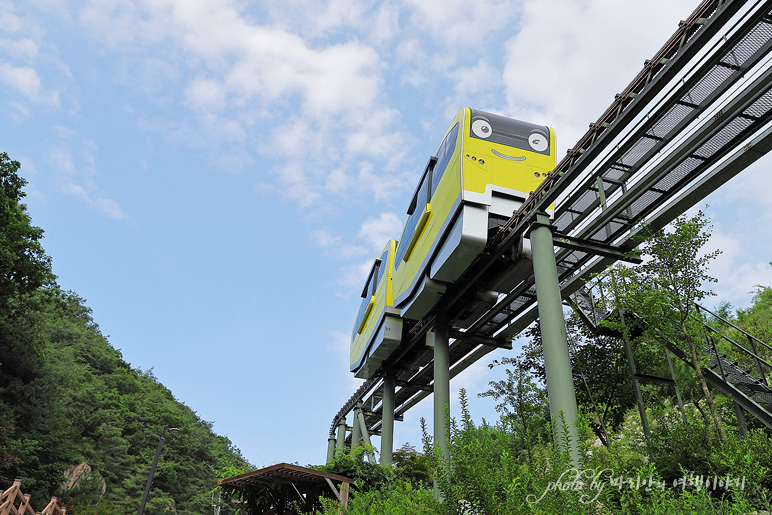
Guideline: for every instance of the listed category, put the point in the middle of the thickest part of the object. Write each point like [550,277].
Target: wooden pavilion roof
[282,472]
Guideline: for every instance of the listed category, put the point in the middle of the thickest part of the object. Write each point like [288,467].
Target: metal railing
[759,367]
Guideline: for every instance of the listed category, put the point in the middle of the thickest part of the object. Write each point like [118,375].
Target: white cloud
[72,168]
[314,19]
[24,49]
[352,277]
[25,80]
[737,269]
[385,23]
[60,157]
[310,98]
[106,206]
[570,58]
[461,23]
[206,94]
[480,78]
[293,178]
[325,238]
[9,21]
[377,231]
[21,70]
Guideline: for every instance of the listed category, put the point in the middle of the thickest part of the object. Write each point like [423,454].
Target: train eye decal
[481,128]
[538,141]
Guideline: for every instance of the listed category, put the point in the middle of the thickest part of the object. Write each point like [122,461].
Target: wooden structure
[286,489]
[14,502]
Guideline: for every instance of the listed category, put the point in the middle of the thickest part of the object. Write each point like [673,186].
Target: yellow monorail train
[484,169]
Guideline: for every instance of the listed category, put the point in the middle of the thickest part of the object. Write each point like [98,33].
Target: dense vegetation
[68,398]
[695,462]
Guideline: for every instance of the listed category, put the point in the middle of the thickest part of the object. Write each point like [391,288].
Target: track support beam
[387,420]
[340,440]
[330,449]
[441,397]
[557,363]
[356,433]
[365,434]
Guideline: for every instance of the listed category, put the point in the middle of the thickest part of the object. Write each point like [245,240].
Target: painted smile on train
[484,169]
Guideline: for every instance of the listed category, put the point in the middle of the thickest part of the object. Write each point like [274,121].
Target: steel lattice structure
[697,114]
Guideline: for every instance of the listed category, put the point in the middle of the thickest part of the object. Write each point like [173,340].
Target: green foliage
[658,297]
[757,320]
[488,478]
[24,266]
[351,464]
[399,498]
[77,401]
[412,466]
[600,367]
[521,402]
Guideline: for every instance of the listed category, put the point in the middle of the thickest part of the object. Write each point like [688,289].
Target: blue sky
[215,177]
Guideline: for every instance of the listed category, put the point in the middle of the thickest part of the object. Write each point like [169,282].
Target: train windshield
[510,132]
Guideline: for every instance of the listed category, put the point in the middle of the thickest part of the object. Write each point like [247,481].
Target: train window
[368,291]
[384,264]
[415,211]
[443,156]
[361,315]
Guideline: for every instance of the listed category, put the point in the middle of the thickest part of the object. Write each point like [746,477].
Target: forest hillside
[76,420]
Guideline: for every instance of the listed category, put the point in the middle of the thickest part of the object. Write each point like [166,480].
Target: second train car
[484,169]
[378,326]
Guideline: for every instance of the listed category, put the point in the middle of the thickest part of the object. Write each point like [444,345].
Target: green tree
[757,319]
[412,466]
[521,402]
[659,296]
[24,266]
[599,366]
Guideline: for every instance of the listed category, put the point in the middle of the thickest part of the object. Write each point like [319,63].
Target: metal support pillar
[634,378]
[387,420]
[153,467]
[330,449]
[441,396]
[340,440]
[356,433]
[741,425]
[557,363]
[365,434]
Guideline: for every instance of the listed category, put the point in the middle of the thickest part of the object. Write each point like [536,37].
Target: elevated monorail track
[697,114]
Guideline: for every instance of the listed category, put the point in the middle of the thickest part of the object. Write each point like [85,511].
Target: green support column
[330,449]
[677,390]
[340,440]
[634,379]
[741,425]
[441,392]
[363,432]
[356,433]
[557,364]
[387,420]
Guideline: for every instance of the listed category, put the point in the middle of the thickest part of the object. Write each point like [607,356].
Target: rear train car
[378,326]
[484,169]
